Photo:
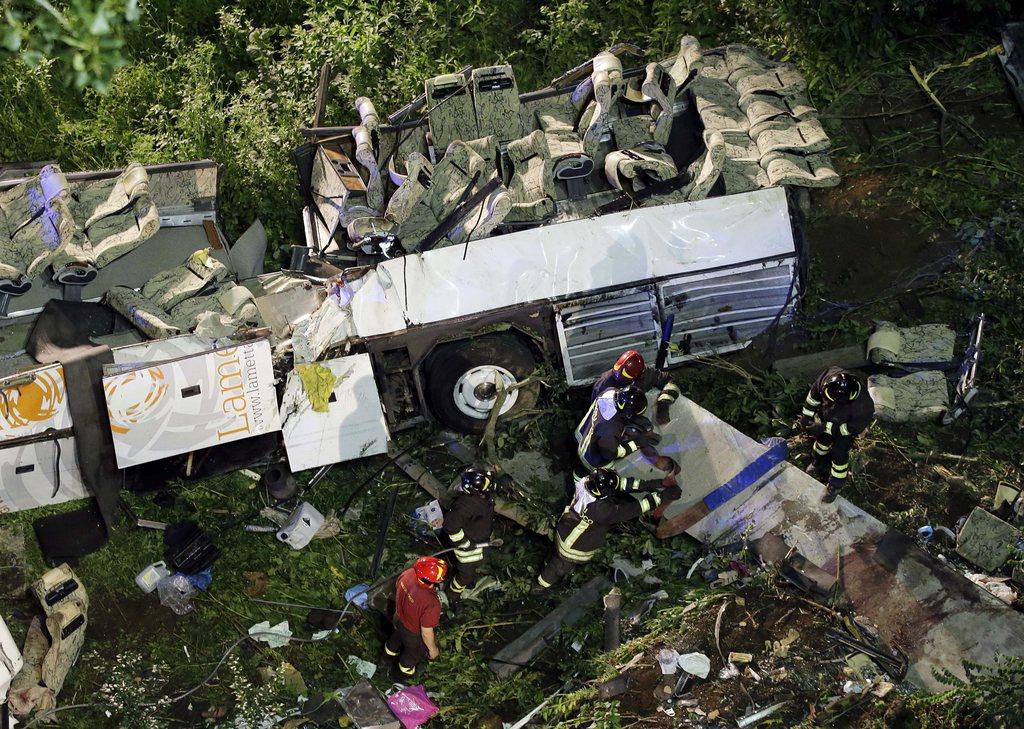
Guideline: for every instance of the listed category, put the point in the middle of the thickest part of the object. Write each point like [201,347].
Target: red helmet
[630,365]
[430,569]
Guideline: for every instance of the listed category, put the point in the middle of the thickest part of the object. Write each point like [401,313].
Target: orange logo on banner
[33,402]
[124,412]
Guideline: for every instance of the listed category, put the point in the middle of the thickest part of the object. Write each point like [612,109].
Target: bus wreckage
[450,250]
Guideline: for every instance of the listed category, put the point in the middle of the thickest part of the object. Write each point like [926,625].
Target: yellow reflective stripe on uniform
[627,484]
[565,546]
[469,555]
[542,582]
[651,501]
[406,671]
[458,536]
[808,412]
[811,401]
[669,393]
[821,449]
[390,652]
[456,587]
[840,466]
[626,448]
[844,430]
[828,427]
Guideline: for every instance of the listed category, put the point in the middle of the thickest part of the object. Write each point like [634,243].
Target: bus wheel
[462,380]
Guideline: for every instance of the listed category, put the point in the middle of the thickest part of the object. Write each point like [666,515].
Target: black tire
[447,365]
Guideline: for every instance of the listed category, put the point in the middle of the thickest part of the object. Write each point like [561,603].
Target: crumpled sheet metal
[934,615]
[548,262]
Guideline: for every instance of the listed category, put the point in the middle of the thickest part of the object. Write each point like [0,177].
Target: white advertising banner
[38,464]
[190,403]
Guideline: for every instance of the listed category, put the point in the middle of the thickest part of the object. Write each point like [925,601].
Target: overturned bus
[451,249]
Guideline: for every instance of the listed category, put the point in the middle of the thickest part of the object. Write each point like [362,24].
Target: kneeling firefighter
[467,525]
[602,498]
[607,433]
[630,369]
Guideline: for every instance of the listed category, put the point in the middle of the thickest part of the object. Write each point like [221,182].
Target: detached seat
[35,227]
[113,217]
[193,297]
[772,134]
[914,398]
[432,194]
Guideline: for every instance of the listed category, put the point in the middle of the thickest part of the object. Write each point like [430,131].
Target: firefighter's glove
[671,493]
[805,421]
[641,424]
[648,440]
[661,416]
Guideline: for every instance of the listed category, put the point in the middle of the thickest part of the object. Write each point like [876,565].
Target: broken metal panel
[37,474]
[192,402]
[592,332]
[722,311]
[159,350]
[559,261]
[353,425]
[922,607]
[38,466]
[536,639]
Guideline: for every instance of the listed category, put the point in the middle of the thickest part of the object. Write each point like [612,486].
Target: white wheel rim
[476,391]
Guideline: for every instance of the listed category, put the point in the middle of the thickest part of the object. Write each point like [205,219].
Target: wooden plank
[321,94]
[532,643]
[808,366]
[414,470]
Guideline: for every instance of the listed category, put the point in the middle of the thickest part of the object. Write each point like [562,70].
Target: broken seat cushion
[172,286]
[927,344]
[917,397]
[146,316]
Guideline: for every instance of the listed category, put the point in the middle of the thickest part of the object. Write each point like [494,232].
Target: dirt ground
[792,661]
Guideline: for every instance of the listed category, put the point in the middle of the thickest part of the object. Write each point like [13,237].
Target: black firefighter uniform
[584,524]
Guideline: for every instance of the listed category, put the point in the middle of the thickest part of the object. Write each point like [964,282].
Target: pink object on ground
[411,706]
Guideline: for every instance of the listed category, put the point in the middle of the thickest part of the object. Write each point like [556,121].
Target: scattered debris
[758,716]
[995,585]
[363,668]
[148,579]
[176,592]
[366,708]
[695,664]
[412,706]
[257,583]
[275,636]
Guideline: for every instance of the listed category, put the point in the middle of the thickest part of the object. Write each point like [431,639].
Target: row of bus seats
[76,228]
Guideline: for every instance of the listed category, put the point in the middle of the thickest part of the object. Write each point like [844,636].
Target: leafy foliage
[86,36]
[990,696]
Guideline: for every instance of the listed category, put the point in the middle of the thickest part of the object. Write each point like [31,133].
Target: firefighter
[417,614]
[607,434]
[630,369]
[838,408]
[602,498]
[468,526]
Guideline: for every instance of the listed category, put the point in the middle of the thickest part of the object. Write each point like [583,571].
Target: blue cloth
[201,580]
[357,596]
